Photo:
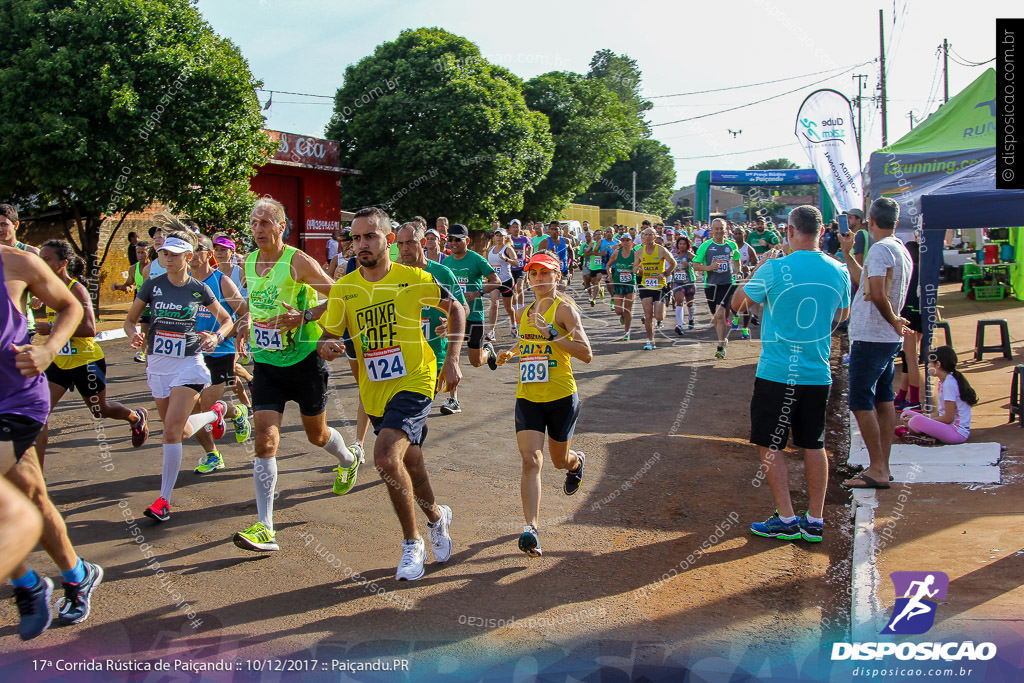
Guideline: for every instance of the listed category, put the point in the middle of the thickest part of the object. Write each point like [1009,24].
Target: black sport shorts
[650,294]
[557,418]
[777,408]
[20,430]
[408,412]
[222,369]
[304,382]
[719,295]
[88,380]
[506,288]
[475,334]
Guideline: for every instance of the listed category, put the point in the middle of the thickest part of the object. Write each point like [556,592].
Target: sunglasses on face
[454,239]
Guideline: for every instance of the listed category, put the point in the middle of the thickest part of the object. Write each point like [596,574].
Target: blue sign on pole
[798,176]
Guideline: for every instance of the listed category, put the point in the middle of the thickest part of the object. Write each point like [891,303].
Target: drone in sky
[734,132]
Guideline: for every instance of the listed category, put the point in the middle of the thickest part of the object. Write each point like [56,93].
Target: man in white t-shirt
[876,336]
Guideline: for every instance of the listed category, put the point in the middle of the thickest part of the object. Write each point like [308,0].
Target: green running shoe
[243,429]
[256,537]
[211,463]
[346,478]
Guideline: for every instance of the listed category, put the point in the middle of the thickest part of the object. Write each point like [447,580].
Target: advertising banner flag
[824,127]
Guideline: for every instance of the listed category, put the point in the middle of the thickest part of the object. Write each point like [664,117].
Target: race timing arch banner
[824,127]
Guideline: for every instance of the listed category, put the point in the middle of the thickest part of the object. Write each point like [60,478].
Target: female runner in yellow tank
[550,335]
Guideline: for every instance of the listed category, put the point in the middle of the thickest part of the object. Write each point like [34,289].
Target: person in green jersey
[283,283]
[476,278]
[719,260]
[623,279]
[409,239]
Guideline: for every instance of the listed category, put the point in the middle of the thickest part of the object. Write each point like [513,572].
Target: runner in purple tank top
[24,407]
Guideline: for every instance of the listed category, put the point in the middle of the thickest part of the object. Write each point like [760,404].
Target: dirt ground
[649,568]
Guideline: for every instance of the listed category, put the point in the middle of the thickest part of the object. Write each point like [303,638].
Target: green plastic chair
[973,275]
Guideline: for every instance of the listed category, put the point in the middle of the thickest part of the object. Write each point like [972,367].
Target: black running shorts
[719,295]
[777,408]
[222,369]
[304,382]
[19,430]
[557,418]
[89,379]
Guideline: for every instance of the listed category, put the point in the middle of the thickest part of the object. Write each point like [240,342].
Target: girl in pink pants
[956,396]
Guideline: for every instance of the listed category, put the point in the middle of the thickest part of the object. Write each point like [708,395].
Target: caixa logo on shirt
[917,600]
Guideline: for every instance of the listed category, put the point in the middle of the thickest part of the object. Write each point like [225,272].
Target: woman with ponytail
[80,363]
[952,424]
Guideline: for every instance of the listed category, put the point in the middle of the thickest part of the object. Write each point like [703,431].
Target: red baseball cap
[544,262]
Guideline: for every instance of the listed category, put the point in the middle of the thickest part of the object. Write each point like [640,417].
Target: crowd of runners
[397,301]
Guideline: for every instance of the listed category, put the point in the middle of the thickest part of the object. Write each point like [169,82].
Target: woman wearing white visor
[176,372]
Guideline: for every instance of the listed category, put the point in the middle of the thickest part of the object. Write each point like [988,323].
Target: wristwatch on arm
[307,315]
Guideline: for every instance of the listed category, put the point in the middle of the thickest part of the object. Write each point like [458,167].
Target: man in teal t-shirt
[793,375]
[476,278]
[409,240]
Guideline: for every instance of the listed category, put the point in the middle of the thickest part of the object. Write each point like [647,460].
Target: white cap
[176,246]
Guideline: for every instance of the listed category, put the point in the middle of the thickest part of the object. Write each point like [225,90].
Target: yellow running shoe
[256,537]
[346,478]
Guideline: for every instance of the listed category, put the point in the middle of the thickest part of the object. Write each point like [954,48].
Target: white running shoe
[411,566]
[440,540]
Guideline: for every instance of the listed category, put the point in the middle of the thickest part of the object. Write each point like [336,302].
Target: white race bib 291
[652,282]
[169,344]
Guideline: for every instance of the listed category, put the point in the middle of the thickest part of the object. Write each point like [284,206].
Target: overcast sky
[305,45]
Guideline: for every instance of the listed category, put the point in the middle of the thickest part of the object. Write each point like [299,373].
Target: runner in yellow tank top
[80,364]
[282,283]
[550,335]
[651,263]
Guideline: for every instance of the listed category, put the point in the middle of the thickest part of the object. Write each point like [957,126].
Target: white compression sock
[264,474]
[336,447]
[679,316]
[690,307]
[200,420]
[169,474]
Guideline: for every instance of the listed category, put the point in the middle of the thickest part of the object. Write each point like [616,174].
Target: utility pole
[860,78]
[945,71]
[634,190]
[910,115]
[881,83]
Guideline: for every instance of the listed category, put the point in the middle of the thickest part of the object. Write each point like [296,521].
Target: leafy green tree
[622,76]
[111,105]
[436,129]
[783,190]
[655,179]
[591,129]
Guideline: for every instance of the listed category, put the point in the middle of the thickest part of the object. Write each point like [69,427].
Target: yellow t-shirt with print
[383,320]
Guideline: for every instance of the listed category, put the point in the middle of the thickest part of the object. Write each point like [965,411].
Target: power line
[749,85]
[968,61]
[300,94]
[729,154]
[766,99]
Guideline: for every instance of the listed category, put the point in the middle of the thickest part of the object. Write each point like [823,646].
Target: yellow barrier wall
[605,217]
[627,218]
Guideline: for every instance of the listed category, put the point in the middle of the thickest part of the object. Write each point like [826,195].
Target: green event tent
[961,133]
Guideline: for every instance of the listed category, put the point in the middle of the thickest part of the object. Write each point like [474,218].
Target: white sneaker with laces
[440,540]
[411,566]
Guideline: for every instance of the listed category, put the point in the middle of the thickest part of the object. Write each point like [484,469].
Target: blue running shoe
[774,527]
[34,608]
[73,608]
[811,531]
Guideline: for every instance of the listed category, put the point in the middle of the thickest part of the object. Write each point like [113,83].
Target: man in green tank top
[283,283]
